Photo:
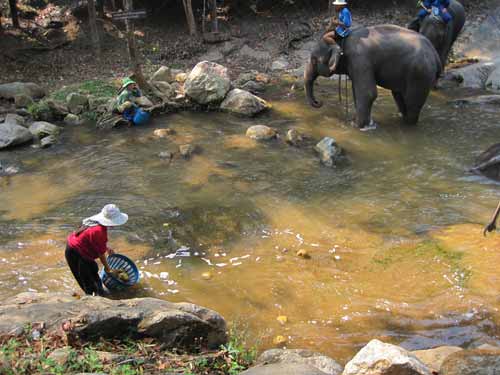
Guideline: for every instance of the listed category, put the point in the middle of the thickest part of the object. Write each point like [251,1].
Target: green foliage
[96,88]
[39,109]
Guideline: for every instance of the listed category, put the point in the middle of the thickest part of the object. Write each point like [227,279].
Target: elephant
[442,35]
[389,56]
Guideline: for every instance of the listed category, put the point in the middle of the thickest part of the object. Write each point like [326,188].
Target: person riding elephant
[385,55]
[339,28]
[441,7]
[440,21]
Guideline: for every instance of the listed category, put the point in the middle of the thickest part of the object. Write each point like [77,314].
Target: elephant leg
[414,99]
[365,92]
[400,102]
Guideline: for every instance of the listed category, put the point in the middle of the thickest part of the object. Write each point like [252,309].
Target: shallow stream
[394,234]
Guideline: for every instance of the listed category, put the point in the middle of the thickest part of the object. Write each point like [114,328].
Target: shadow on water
[394,235]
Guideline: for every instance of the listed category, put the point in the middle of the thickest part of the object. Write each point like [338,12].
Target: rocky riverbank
[62,334]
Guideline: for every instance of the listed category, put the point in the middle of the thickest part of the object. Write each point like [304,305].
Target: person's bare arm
[493,223]
[104,261]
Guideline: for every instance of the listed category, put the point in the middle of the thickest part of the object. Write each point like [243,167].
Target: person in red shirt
[88,243]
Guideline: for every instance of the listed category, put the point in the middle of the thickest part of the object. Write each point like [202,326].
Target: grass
[25,355]
[103,89]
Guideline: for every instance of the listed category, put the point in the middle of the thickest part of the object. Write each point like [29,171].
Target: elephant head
[324,61]
[434,29]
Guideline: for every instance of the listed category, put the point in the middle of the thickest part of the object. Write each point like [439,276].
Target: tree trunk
[94,33]
[215,22]
[135,65]
[13,13]
[188,9]
[100,9]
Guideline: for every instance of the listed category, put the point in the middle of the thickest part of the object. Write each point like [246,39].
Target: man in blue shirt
[441,8]
[338,29]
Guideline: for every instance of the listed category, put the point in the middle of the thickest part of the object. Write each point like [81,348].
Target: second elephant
[388,56]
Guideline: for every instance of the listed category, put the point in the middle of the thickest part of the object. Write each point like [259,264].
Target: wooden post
[13,13]
[135,65]
[188,9]
[94,33]
[215,22]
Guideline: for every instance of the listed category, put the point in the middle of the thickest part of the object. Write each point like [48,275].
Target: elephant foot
[371,126]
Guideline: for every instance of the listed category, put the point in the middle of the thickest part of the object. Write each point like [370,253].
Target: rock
[473,76]
[206,275]
[60,355]
[187,150]
[143,101]
[488,347]
[181,77]
[13,135]
[72,120]
[293,137]
[107,357]
[283,369]
[10,90]
[246,51]
[243,103]
[42,129]
[246,77]
[48,141]
[303,254]
[96,102]
[23,101]
[214,55]
[476,100]
[300,356]
[493,81]
[165,90]
[165,155]
[164,74]
[207,83]
[15,119]
[471,362]
[58,109]
[280,340]
[179,325]
[282,319]
[378,358]
[254,87]
[488,163]
[261,132]
[77,103]
[298,31]
[434,358]
[8,171]
[163,133]
[330,153]
[280,64]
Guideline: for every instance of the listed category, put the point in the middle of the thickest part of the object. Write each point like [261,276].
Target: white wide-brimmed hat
[340,2]
[110,216]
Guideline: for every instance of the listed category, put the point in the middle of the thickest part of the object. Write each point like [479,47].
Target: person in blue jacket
[441,7]
[339,28]
[126,105]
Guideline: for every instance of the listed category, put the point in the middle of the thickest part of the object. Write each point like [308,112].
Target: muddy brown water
[394,235]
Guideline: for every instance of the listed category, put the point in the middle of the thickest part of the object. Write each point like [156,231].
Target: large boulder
[12,135]
[261,132]
[243,103]
[208,83]
[473,76]
[41,129]
[300,356]
[283,369]
[378,358]
[434,358]
[163,89]
[176,325]
[329,151]
[472,362]
[15,119]
[493,81]
[11,90]
[164,74]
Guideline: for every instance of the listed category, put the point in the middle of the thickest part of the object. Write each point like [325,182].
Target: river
[394,234]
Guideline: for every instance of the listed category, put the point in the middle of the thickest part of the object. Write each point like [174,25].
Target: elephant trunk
[310,75]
